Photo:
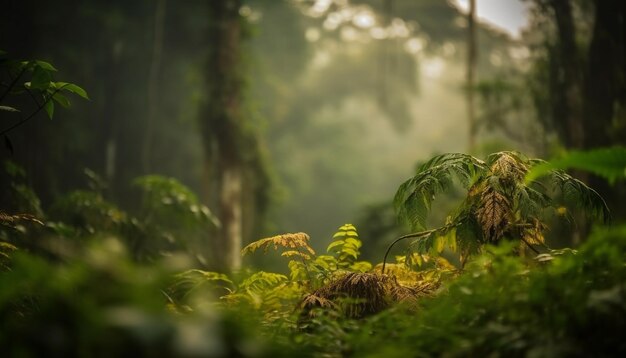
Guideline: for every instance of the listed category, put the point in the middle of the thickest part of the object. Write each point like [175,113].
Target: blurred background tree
[334,101]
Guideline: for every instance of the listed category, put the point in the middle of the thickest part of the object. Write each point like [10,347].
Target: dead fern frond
[493,214]
[311,301]
[508,168]
[297,241]
[357,294]
[11,219]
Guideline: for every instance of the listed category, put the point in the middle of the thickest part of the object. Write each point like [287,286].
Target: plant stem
[417,234]
[39,108]
[12,84]
[530,246]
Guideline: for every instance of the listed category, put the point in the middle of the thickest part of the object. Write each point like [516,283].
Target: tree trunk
[222,130]
[604,86]
[569,83]
[153,85]
[471,74]
[605,71]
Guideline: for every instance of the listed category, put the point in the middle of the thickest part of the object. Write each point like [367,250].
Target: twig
[529,245]
[39,108]
[12,84]
[408,236]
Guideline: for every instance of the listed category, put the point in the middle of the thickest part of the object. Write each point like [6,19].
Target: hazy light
[519,52]
[509,15]
[414,45]
[332,21]
[363,19]
[399,28]
[378,33]
[448,49]
[495,58]
[349,33]
[433,67]
[320,59]
[321,6]
[312,34]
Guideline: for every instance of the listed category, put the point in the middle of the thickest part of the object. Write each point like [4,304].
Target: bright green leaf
[63,101]
[353,242]
[609,163]
[350,252]
[45,65]
[49,107]
[41,79]
[70,87]
[335,244]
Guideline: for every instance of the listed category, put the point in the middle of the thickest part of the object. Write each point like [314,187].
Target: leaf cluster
[500,203]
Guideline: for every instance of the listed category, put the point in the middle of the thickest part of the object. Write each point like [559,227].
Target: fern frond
[414,197]
[295,253]
[262,281]
[529,201]
[191,280]
[295,241]
[510,166]
[609,163]
[493,214]
[12,219]
[578,194]
[345,245]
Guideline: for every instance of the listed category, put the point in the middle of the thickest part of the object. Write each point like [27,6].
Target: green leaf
[45,65]
[414,197]
[41,79]
[63,101]
[8,109]
[609,163]
[49,107]
[352,242]
[335,244]
[440,243]
[351,252]
[70,87]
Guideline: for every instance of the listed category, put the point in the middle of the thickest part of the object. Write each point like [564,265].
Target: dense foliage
[80,285]
[504,254]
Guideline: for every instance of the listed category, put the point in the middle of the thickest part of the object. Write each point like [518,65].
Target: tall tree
[568,78]
[153,83]
[471,73]
[222,128]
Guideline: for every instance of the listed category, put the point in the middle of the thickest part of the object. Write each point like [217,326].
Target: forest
[313,178]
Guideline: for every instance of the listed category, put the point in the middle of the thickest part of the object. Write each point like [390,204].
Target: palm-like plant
[499,203]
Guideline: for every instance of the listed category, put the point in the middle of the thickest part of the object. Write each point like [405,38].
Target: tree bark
[471,74]
[569,82]
[604,87]
[153,84]
[605,71]
[222,130]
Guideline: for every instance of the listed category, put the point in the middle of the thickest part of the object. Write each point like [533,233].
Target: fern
[493,214]
[609,163]
[414,197]
[578,194]
[262,281]
[298,242]
[500,201]
[192,280]
[345,246]
[6,250]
